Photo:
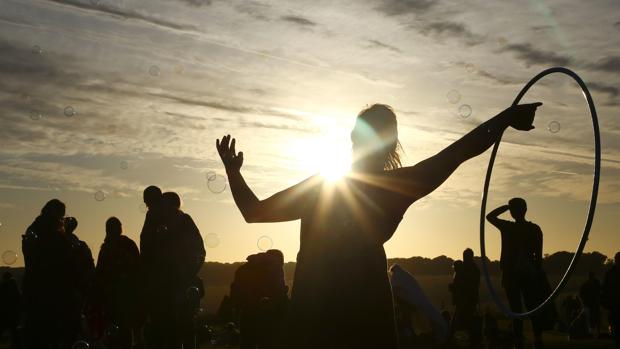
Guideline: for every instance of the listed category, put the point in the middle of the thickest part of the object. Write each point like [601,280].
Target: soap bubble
[465,111]
[179,69]
[554,126]
[470,68]
[124,165]
[212,240]
[99,195]
[69,111]
[154,70]
[453,96]
[143,208]
[264,243]
[210,175]
[35,115]
[80,345]
[217,184]
[95,2]
[9,257]
[37,50]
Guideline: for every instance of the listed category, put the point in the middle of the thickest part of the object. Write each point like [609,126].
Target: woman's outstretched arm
[286,205]
[421,179]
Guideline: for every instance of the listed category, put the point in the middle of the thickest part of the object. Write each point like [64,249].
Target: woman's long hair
[382,119]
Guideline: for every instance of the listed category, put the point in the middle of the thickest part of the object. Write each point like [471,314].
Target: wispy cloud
[450,30]
[198,3]
[105,8]
[404,7]
[298,20]
[382,45]
[609,64]
[533,56]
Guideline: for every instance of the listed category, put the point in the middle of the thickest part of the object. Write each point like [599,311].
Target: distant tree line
[215,273]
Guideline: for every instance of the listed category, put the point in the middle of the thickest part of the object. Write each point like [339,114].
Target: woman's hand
[231,159]
[521,116]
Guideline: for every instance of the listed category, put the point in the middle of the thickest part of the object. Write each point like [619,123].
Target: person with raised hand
[341,294]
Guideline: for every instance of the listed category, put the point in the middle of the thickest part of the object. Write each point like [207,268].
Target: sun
[330,157]
[332,168]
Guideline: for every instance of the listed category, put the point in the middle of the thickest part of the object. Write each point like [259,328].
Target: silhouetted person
[465,292]
[520,262]
[260,294]
[51,281]
[84,268]
[151,248]
[590,294]
[179,248]
[10,308]
[341,295]
[117,284]
[152,197]
[611,297]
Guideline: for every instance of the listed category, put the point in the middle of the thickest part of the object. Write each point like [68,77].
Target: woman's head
[375,139]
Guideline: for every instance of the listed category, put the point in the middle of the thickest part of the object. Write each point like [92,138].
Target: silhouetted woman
[341,295]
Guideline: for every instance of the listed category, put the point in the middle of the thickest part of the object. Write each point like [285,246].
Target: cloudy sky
[100,98]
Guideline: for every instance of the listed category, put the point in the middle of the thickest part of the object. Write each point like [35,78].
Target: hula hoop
[595,184]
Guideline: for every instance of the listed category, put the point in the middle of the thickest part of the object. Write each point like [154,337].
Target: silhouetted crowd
[147,297]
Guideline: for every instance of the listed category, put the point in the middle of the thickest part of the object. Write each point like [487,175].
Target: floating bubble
[154,70]
[124,165]
[9,257]
[465,111]
[217,184]
[210,175]
[143,208]
[264,243]
[470,68]
[179,69]
[453,96]
[99,195]
[212,240]
[35,116]
[95,2]
[37,50]
[69,111]
[554,126]
[80,345]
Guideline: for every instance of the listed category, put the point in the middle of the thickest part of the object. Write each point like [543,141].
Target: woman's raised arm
[286,205]
[423,178]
